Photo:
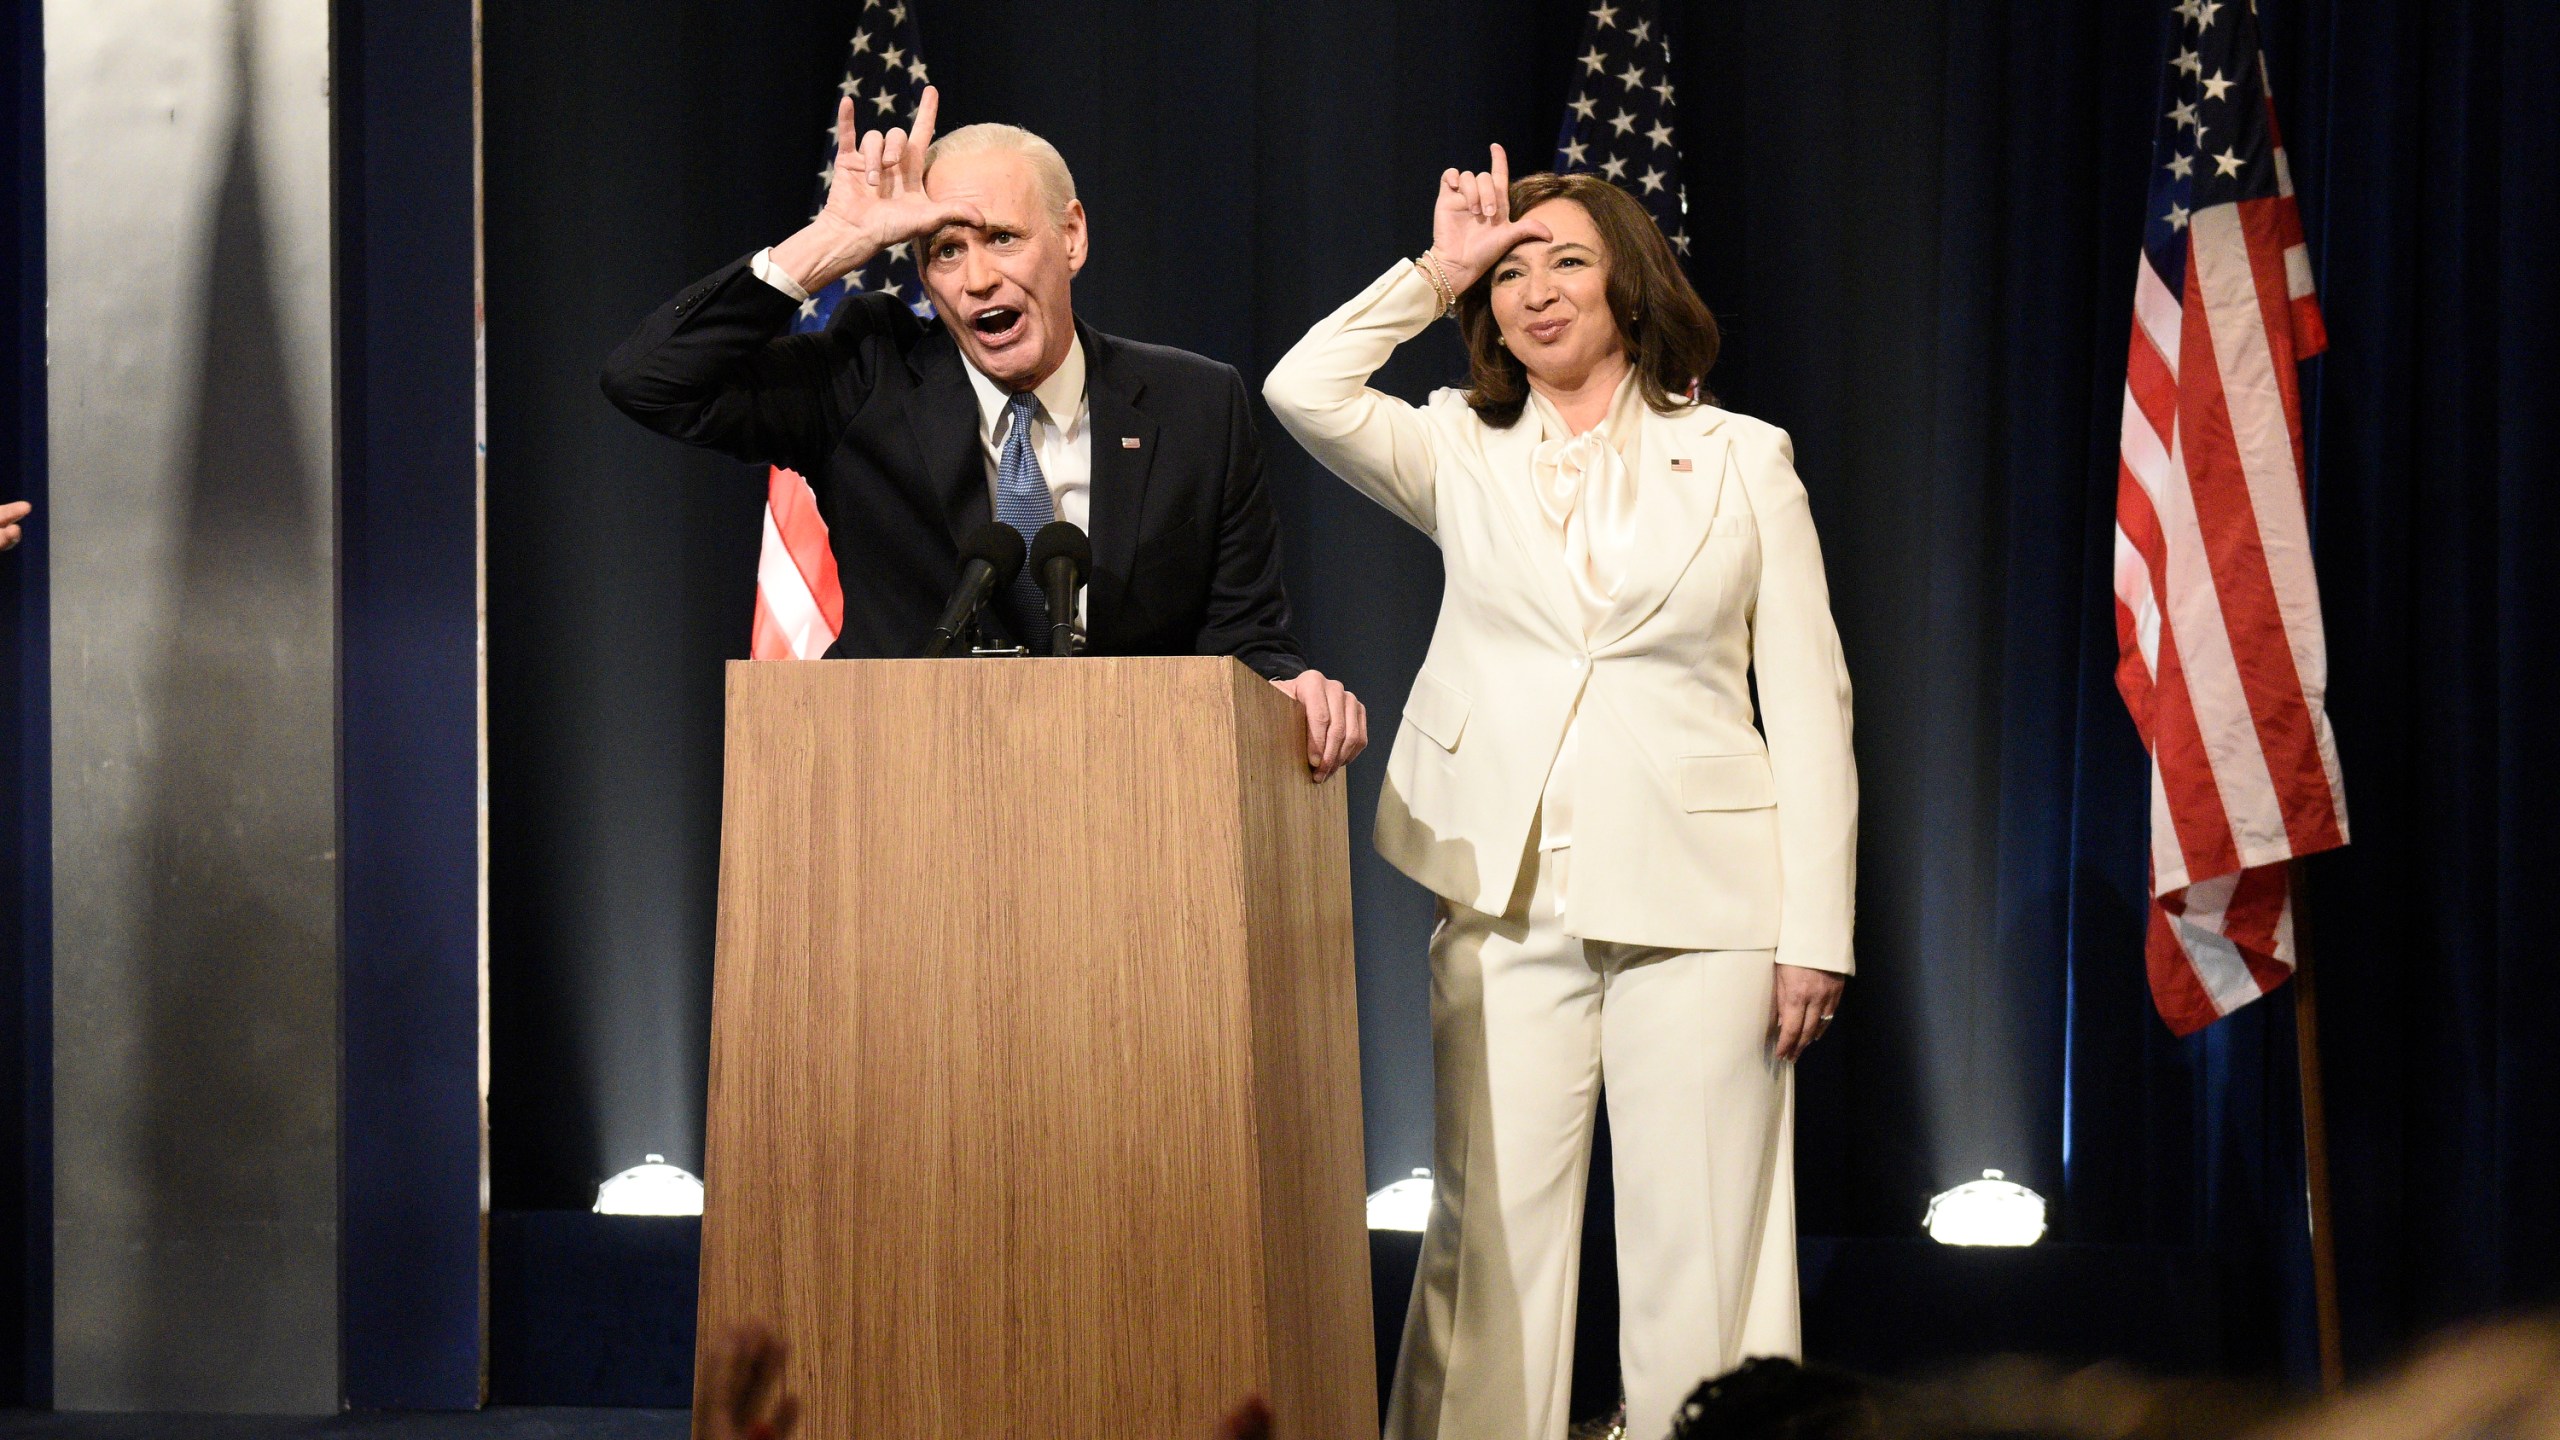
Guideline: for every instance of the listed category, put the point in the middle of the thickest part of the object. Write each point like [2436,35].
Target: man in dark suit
[913,434]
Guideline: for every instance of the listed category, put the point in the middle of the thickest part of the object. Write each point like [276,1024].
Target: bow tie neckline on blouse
[1586,489]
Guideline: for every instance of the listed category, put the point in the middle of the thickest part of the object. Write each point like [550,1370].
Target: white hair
[1057,183]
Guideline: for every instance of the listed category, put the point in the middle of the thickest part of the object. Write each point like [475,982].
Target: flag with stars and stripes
[1618,123]
[2221,654]
[799,602]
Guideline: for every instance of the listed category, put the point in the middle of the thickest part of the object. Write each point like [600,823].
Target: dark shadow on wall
[237,829]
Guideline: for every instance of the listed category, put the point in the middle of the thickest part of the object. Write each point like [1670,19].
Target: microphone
[1061,556]
[990,560]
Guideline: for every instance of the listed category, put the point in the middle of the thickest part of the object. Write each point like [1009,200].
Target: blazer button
[1580,660]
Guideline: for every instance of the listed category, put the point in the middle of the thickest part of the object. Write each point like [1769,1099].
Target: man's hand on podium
[10,515]
[1337,723]
[744,1388]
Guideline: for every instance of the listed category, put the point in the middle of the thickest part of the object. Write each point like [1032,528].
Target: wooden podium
[1035,1102]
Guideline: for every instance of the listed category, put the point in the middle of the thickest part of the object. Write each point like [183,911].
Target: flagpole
[2315,1143]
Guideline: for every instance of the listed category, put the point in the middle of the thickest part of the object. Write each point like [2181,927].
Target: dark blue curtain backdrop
[1928,220]
[1930,284]
[26,751]
[410,1148]
[2428,153]
[1919,222]
[622,155]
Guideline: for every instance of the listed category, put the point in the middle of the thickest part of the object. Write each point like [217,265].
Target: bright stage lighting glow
[1988,1211]
[1405,1205]
[654,1188]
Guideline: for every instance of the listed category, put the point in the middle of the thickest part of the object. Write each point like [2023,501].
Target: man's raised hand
[877,185]
[875,199]
[1471,224]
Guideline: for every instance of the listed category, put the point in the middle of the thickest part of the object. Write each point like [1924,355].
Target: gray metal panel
[195,834]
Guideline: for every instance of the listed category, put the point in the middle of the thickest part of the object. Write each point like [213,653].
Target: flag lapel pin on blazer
[1682,464]
[1128,442]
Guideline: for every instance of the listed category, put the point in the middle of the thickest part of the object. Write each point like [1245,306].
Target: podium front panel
[1034,1080]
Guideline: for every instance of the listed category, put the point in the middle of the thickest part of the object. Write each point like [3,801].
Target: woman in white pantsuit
[1635,884]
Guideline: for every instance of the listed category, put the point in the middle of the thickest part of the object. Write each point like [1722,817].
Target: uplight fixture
[1405,1205]
[651,1188]
[1993,1210]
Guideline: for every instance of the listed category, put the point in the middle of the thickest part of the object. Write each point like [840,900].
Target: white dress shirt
[1060,437]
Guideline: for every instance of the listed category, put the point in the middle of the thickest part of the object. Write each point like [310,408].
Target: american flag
[1618,123]
[799,603]
[2221,657]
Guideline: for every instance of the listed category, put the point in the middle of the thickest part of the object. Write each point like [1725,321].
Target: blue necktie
[1022,501]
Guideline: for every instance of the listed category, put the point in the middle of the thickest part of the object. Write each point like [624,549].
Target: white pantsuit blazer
[1690,831]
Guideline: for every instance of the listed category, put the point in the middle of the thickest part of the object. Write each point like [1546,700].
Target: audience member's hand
[743,1383]
[10,515]
[1250,1420]
[1337,723]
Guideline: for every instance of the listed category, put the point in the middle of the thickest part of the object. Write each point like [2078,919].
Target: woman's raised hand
[876,188]
[1471,224]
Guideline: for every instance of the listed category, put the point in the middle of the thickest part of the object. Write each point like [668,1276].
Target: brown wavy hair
[1670,335]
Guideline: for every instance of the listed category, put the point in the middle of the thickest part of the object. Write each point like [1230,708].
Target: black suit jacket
[878,414]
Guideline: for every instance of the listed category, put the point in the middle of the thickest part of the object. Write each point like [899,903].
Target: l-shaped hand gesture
[877,184]
[1471,224]
[875,199]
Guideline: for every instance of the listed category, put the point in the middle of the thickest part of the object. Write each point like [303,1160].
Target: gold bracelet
[1433,270]
[1431,277]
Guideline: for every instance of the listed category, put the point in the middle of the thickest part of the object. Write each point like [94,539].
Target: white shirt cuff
[775,276]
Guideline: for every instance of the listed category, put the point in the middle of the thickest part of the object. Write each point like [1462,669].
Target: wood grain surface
[1034,1074]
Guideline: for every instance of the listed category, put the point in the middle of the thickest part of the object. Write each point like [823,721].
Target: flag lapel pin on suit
[1682,464]
[1128,442]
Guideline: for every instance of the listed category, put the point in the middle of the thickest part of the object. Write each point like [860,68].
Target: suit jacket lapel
[1673,511]
[1113,394]
[945,420]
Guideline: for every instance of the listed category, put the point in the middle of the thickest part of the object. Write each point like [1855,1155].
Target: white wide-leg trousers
[1527,1020]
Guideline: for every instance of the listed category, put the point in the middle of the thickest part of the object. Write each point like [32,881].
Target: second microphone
[1061,558]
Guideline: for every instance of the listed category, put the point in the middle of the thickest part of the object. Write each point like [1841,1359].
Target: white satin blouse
[1586,488]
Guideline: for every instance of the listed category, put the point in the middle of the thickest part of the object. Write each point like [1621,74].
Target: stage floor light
[1405,1205]
[1993,1210]
[653,1188]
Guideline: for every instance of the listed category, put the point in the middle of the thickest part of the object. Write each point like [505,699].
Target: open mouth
[997,324]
